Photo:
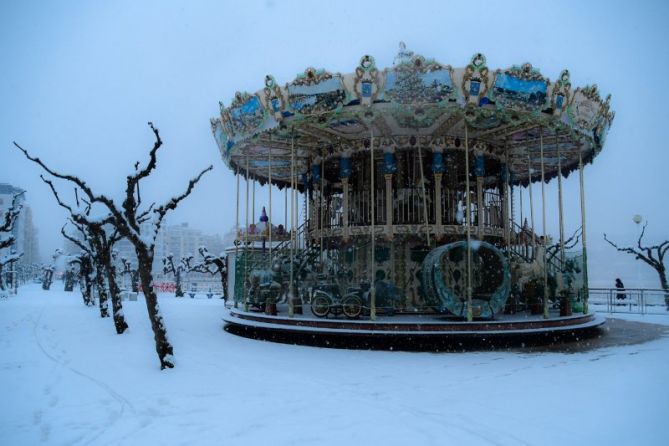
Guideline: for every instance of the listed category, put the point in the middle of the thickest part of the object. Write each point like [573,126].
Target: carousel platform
[419,332]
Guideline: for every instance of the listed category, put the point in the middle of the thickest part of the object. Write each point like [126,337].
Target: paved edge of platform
[232,319]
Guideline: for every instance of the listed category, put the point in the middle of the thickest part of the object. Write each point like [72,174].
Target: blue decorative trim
[345,168]
[389,165]
[438,165]
[479,166]
[315,173]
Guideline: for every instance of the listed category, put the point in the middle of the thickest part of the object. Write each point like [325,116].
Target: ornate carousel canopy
[504,116]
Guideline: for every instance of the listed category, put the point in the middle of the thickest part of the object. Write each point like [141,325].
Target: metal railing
[629,300]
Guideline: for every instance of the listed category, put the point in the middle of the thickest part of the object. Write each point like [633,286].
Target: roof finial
[403,56]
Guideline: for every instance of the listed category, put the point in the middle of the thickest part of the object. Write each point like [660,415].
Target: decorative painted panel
[316,92]
[521,87]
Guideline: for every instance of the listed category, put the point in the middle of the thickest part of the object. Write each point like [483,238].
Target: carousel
[401,202]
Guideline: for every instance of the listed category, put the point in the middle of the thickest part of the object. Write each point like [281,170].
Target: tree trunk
[2,283]
[115,294]
[46,282]
[178,291]
[134,277]
[85,280]
[102,290]
[85,288]
[163,346]
[665,286]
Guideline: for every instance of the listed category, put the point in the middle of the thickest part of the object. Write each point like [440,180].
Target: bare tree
[104,244]
[7,238]
[99,245]
[128,219]
[170,268]
[48,270]
[85,264]
[651,255]
[214,265]
[553,250]
[132,272]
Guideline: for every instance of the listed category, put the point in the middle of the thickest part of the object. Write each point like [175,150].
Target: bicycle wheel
[320,305]
[351,306]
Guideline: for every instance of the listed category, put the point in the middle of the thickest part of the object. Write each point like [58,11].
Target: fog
[80,80]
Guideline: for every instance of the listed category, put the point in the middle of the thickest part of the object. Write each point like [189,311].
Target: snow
[67,378]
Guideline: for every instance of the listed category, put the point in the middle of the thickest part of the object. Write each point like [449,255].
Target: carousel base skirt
[419,332]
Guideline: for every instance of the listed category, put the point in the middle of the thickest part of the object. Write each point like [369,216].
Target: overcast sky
[79,81]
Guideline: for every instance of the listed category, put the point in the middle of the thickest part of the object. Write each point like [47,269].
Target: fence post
[610,300]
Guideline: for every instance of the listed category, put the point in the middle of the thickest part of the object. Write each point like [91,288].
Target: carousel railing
[409,203]
[629,300]
[492,209]
[410,206]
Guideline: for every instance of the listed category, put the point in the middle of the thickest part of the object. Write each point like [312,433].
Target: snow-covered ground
[67,378]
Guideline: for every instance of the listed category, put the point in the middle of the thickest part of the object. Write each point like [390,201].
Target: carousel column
[504,177]
[529,186]
[323,208]
[305,212]
[479,171]
[269,155]
[560,207]
[468,218]
[372,291]
[438,169]
[300,238]
[389,168]
[291,285]
[316,177]
[246,241]
[585,250]
[543,217]
[237,240]
[344,173]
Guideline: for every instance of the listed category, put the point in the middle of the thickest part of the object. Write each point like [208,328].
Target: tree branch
[79,182]
[130,204]
[75,241]
[172,204]
[633,251]
[11,214]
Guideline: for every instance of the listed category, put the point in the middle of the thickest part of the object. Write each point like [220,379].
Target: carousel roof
[418,103]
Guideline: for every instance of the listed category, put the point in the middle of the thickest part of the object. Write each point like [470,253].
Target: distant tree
[214,265]
[652,256]
[130,270]
[68,278]
[84,263]
[169,267]
[7,238]
[99,243]
[128,219]
[49,270]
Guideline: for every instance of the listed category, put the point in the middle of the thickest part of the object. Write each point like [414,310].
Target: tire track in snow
[120,399]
